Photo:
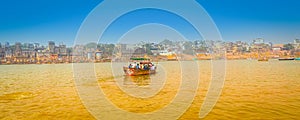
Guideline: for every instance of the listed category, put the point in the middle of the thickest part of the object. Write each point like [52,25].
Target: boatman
[133,65]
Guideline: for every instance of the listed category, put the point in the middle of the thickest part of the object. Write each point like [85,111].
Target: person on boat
[133,65]
[129,66]
[152,67]
[145,67]
[149,66]
[137,66]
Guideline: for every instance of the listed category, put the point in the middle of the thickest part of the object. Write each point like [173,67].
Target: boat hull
[263,59]
[282,59]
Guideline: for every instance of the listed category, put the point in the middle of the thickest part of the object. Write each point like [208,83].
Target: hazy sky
[277,21]
[152,32]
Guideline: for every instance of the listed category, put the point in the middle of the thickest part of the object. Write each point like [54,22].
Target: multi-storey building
[2,52]
[18,49]
[51,47]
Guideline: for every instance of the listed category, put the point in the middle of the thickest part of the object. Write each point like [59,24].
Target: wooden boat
[283,59]
[263,59]
[142,67]
[262,56]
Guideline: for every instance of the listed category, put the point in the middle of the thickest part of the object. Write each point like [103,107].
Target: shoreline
[248,59]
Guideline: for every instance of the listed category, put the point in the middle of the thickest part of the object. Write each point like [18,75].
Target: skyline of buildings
[68,44]
[59,53]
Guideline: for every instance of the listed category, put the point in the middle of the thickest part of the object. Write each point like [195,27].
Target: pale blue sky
[59,20]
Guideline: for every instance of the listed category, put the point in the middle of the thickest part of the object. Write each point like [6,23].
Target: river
[252,90]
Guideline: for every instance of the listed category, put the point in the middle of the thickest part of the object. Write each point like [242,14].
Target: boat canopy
[139,58]
[145,62]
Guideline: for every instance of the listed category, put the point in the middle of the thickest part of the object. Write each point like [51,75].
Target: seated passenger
[133,65]
[142,66]
[146,67]
[152,68]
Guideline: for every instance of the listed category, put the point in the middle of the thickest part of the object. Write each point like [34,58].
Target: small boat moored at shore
[263,59]
[283,59]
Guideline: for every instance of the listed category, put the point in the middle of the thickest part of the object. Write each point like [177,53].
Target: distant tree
[188,48]
[69,50]
[288,46]
[91,45]
[110,49]
[166,42]
[107,49]
[148,49]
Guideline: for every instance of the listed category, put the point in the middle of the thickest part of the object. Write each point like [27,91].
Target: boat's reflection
[141,80]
